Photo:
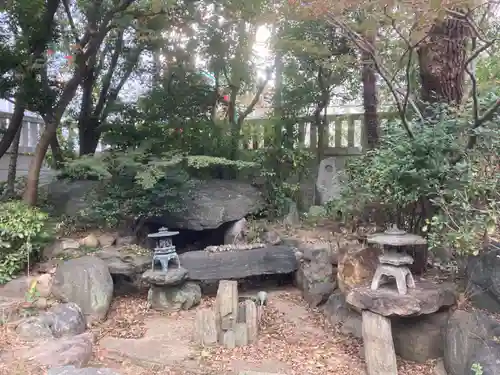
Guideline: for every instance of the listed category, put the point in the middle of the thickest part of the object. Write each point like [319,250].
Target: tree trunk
[86,125]
[370,99]
[15,124]
[88,137]
[57,155]
[30,194]
[442,57]
[11,175]
[50,131]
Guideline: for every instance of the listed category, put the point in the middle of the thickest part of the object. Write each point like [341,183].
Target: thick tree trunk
[11,175]
[30,194]
[86,129]
[49,133]
[442,58]
[370,99]
[89,137]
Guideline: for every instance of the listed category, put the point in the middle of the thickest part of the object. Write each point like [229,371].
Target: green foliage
[477,369]
[83,168]
[283,170]
[134,184]
[469,214]
[428,184]
[23,232]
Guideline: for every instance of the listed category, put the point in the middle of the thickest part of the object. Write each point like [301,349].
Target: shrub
[283,170]
[135,185]
[429,183]
[23,233]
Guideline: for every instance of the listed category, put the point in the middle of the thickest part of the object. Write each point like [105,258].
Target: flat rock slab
[269,260]
[174,276]
[425,298]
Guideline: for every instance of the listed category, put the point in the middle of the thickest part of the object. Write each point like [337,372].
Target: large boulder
[87,282]
[126,260]
[420,338]
[175,298]
[212,203]
[483,276]
[471,341]
[316,277]
[341,315]
[61,320]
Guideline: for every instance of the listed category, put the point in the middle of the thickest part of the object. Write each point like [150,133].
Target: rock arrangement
[234,247]
[378,309]
[231,323]
[125,260]
[170,291]
[422,324]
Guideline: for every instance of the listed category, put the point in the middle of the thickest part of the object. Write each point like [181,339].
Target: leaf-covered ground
[293,340]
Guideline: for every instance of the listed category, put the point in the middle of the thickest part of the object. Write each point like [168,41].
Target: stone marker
[328,182]
[229,339]
[231,323]
[206,330]
[251,319]
[240,334]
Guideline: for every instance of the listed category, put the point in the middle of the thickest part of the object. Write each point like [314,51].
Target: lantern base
[165,259]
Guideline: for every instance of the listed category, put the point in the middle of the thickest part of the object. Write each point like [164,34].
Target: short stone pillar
[394,265]
[379,306]
[231,323]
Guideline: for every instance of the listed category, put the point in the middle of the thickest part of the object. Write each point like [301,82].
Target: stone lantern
[393,263]
[397,240]
[164,251]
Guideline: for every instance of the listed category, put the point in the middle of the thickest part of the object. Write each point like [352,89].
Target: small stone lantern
[164,250]
[393,263]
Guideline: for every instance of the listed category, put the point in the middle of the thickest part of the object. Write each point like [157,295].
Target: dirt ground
[293,339]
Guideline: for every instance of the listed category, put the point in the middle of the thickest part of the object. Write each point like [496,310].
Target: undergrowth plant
[24,231]
[283,169]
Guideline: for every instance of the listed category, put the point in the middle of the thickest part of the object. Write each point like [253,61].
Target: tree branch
[478,51]
[255,99]
[363,45]
[116,90]
[106,83]
[487,116]
[67,10]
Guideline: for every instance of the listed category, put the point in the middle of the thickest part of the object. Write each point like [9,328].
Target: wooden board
[270,260]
